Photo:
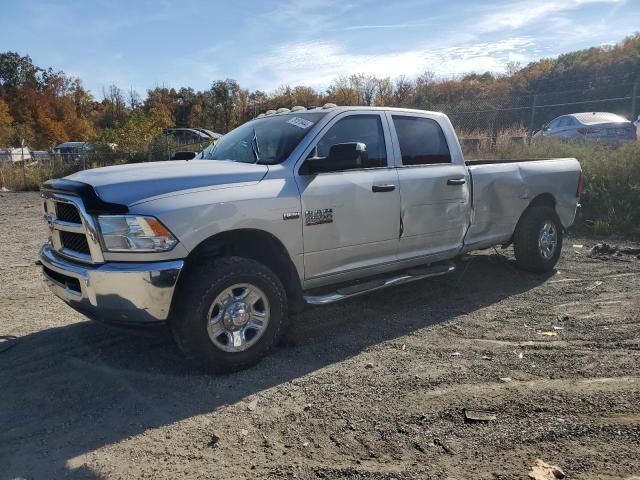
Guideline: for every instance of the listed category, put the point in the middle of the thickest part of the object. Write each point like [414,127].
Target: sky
[141,44]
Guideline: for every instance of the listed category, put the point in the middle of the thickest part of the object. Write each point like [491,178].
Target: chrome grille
[67,213]
[72,230]
[75,241]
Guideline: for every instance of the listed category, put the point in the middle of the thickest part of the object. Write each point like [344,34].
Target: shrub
[15,177]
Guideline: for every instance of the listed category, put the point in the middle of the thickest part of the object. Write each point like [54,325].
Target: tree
[511,68]
[341,91]
[229,104]
[134,99]
[384,96]
[404,92]
[6,125]
[368,89]
[115,113]
[425,89]
[17,71]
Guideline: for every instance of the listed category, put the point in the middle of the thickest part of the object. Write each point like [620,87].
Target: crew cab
[297,208]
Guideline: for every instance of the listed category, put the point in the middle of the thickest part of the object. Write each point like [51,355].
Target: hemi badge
[290,215]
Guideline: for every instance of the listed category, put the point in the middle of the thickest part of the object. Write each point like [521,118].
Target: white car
[592,127]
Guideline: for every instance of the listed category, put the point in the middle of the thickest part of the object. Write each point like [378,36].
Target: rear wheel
[538,239]
[229,313]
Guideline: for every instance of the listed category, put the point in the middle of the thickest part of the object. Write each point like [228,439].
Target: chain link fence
[488,116]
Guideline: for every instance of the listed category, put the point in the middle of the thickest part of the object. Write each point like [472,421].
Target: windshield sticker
[300,122]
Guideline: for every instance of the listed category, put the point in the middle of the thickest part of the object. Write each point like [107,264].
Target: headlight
[134,233]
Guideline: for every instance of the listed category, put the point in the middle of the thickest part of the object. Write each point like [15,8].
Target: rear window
[422,141]
[599,117]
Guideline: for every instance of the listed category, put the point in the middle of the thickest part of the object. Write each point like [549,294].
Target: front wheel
[229,313]
[538,239]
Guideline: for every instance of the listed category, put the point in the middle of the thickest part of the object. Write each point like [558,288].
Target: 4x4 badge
[318,217]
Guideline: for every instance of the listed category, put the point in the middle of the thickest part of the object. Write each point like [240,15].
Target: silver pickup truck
[296,208]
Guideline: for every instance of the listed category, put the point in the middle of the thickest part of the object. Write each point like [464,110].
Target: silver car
[592,127]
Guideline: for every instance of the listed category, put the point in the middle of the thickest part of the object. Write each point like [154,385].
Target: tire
[208,316]
[535,251]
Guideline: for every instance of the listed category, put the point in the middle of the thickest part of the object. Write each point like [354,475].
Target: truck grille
[75,241]
[67,213]
[72,230]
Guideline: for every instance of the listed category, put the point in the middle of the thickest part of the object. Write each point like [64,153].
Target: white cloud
[519,15]
[318,63]
[389,26]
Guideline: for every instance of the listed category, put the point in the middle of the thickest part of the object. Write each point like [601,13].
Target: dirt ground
[373,388]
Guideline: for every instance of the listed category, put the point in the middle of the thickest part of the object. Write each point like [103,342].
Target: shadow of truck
[70,390]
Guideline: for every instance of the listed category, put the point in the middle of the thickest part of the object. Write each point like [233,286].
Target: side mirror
[342,156]
[183,155]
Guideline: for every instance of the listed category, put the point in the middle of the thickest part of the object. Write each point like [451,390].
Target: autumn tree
[6,124]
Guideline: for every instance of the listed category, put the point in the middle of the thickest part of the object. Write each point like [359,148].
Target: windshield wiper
[254,145]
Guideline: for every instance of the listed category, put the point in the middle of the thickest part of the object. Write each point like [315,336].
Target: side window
[366,129]
[553,124]
[564,122]
[422,141]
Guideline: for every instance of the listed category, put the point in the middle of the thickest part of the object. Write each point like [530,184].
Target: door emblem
[290,215]
[318,217]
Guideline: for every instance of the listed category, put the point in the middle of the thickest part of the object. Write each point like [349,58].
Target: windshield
[268,140]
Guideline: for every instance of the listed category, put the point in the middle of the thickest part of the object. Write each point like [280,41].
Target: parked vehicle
[292,209]
[190,136]
[593,127]
[72,152]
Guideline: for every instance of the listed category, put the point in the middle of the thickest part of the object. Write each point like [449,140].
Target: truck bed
[502,189]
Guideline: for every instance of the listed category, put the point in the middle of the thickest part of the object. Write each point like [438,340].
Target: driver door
[351,218]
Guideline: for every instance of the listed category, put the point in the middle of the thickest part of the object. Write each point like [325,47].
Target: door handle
[383,188]
[456,181]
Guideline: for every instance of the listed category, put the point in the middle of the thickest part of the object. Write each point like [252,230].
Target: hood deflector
[93,204]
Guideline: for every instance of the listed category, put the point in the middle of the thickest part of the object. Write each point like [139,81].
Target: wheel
[538,239]
[229,313]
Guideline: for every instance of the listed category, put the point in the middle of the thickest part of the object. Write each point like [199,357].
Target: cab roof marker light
[298,108]
[283,110]
[329,105]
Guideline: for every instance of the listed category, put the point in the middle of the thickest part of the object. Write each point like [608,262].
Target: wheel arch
[255,244]
[543,200]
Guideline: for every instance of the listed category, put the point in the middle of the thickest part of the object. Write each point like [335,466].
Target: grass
[15,177]
[610,202]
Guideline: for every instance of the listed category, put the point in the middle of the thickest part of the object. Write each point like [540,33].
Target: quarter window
[365,129]
[422,141]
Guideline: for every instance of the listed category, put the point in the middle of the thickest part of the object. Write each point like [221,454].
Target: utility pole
[533,112]
[24,173]
[533,116]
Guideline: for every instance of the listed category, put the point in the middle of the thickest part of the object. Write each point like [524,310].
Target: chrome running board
[411,275]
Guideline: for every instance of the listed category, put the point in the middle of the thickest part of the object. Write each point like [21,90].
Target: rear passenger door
[434,187]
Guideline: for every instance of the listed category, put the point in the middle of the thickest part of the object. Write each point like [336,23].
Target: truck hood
[129,184]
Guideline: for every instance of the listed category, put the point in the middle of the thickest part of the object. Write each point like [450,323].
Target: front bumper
[116,292]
